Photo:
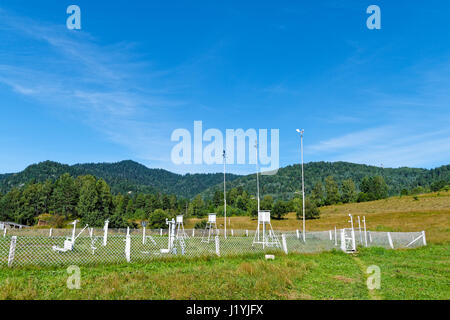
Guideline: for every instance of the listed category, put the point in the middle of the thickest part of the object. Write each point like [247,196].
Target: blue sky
[138,70]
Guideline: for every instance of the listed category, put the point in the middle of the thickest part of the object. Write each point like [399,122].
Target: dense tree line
[288,179]
[126,176]
[122,177]
[88,199]
[65,197]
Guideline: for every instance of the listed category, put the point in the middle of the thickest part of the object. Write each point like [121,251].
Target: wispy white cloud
[352,140]
[106,85]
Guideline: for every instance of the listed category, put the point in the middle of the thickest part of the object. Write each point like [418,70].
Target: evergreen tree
[267,203]
[317,194]
[332,191]
[279,210]
[348,191]
[65,196]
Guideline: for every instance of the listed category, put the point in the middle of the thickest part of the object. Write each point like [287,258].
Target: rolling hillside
[288,179]
[128,175]
[122,176]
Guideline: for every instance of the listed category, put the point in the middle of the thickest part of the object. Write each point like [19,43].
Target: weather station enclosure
[264,217]
[264,232]
[212,218]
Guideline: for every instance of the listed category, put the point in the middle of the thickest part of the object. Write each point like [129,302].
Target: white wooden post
[298,234]
[283,241]
[50,233]
[360,234]
[217,246]
[335,236]
[193,232]
[331,236]
[232,233]
[105,233]
[160,232]
[143,235]
[390,240]
[91,232]
[128,245]
[246,233]
[370,237]
[4,232]
[12,250]
[424,239]
[365,230]
[343,246]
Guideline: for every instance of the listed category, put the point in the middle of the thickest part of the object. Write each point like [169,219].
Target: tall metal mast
[224,193]
[257,173]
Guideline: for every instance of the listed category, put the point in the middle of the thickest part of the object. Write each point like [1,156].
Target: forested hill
[122,177]
[128,175]
[288,179]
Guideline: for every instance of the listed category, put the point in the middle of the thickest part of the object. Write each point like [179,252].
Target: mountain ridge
[129,175]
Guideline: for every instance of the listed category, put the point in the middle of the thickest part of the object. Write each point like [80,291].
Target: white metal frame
[264,232]
[210,229]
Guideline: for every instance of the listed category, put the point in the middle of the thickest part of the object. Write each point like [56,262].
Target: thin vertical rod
[303,190]
[224,194]
[257,174]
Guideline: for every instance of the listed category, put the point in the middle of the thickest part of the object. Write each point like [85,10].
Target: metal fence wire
[42,247]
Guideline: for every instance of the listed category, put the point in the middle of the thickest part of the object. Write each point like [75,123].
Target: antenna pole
[224,193]
[303,189]
[257,177]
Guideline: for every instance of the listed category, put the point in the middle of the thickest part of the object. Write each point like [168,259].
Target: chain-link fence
[57,246]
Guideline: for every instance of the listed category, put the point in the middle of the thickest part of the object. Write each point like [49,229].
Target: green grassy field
[421,273]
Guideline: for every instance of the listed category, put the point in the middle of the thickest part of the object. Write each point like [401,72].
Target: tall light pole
[224,194]
[303,182]
[257,171]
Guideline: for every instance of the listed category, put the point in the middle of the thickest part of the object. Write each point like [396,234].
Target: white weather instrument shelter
[211,228]
[264,232]
[180,233]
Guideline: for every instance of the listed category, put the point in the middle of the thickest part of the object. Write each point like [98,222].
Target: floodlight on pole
[224,194]
[303,181]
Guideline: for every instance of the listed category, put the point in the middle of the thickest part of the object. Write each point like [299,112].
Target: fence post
[128,245]
[298,234]
[424,239]
[360,234]
[365,230]
[331,236]
[160,232]
[4,232]
[143,235]
[193,232]
[50,233]
[232,233]
[12,250]
[335,236]
[283,241]
[390,240]
[246,233]
[343,244]
[217,246]
[105,233]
